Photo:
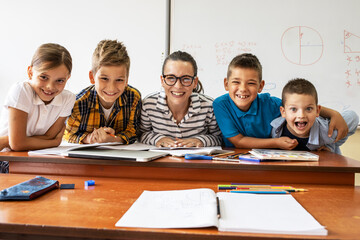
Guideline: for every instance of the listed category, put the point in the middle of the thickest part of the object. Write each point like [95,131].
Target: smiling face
[243,86]
[178,96]
[300,112]
[48,83]
[110,83]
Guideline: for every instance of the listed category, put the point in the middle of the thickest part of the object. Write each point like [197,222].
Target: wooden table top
[330,169]
[93,212]
[327,162]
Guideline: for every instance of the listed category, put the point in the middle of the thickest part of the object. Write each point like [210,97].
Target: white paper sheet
[263,213]
[192,208]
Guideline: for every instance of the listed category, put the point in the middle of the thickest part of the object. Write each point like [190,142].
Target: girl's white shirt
[40,116]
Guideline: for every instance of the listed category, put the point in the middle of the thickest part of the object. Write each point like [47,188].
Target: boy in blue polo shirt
[244,115]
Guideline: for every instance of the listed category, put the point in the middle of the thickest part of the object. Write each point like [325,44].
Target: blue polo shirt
[253,123]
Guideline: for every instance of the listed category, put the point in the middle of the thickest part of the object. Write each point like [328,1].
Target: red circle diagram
[302,45]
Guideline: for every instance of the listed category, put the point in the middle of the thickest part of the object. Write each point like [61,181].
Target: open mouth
[300,125]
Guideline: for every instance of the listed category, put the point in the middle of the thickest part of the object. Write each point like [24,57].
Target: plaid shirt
[87,115]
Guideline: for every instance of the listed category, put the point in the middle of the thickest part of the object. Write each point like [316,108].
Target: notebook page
[192,208]
[264,213]
[179,152]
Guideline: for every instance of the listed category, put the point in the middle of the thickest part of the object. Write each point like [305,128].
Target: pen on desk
[205,157]
[223,154]
[237,155]
[218,207]
[297,190]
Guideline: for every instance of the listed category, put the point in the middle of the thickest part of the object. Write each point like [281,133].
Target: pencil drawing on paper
[351,42]
[302,45]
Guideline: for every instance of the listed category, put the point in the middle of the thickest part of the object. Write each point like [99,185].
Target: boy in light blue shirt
[300,119]
[244,115]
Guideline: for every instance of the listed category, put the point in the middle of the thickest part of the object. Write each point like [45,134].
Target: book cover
[288,155]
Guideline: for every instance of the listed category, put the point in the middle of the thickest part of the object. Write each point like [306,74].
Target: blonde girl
[35,110]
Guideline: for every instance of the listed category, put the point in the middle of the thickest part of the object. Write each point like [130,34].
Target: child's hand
[101,135]
[286,143]
[189,142]
[166,142]
[338,122]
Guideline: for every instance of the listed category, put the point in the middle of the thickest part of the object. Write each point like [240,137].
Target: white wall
[79,25]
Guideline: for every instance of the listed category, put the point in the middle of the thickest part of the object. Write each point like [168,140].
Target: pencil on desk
[262,191]
[260,187]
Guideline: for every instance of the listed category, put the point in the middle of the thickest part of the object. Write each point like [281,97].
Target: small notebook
[239,212]
[286,155]
[29,190]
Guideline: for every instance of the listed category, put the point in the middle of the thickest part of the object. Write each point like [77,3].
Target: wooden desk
[331,169]
[92,213]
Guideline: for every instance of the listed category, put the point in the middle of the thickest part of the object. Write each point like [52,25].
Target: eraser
[67,186]
[89,183]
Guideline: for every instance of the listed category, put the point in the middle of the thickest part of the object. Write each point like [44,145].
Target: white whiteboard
[79,25]
[317,40]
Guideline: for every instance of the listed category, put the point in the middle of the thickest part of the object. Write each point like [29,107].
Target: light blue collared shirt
[318,136]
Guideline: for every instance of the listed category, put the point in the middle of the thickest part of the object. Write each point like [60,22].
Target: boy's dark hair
[185,57]
[299,86]
[245,60]
[110,53]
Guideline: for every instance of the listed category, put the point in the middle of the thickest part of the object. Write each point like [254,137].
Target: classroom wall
[79,25]
[351,147]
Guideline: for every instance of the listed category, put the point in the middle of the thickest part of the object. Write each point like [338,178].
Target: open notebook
[240,212]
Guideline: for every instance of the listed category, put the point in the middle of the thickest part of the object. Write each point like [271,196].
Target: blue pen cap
[89,183]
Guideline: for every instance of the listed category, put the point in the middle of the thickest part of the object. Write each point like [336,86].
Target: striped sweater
[157,120]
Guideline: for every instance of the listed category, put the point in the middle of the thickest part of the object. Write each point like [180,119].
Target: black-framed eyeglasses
[185,80]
